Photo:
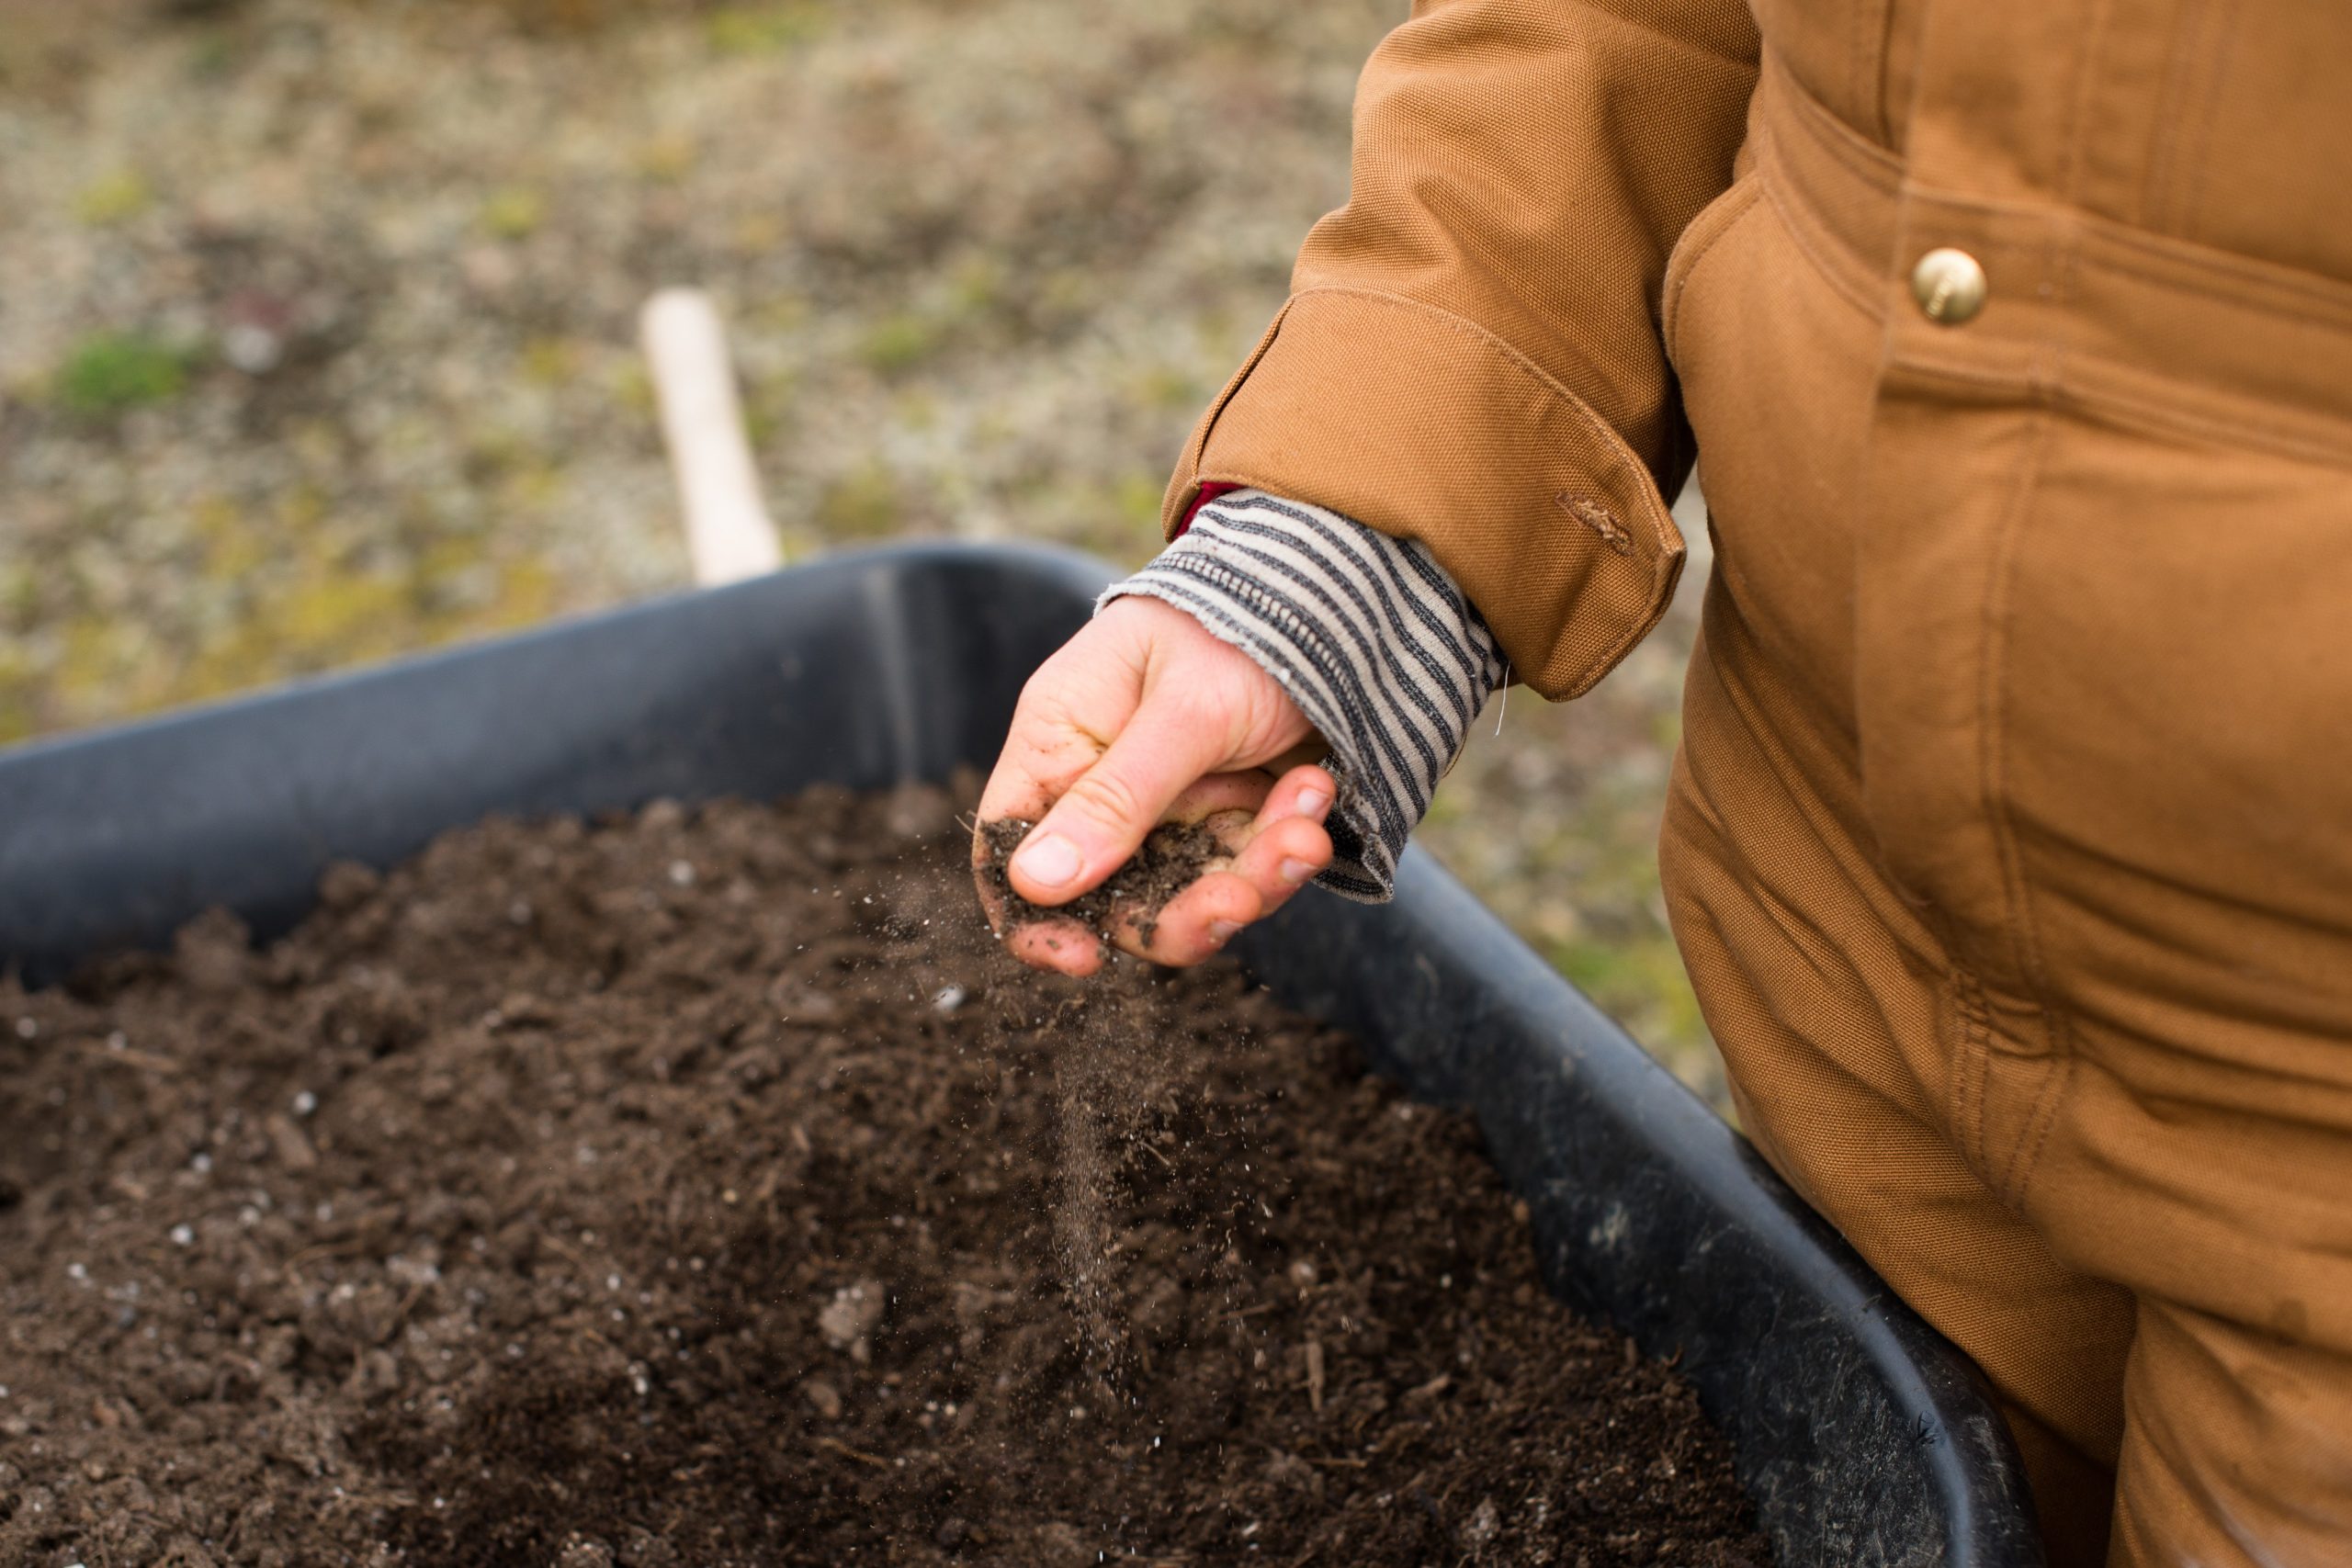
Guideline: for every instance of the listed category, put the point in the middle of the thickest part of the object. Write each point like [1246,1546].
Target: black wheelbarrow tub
[1862,1436]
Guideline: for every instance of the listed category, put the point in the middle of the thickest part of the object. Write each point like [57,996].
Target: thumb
[1102,818]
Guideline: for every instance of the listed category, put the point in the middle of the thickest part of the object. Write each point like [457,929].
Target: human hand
[1144,717]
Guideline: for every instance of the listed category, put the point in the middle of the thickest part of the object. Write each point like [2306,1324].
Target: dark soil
[705,1188]
[1172,857]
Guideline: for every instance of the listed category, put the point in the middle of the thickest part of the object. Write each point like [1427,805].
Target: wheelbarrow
[1862,1437]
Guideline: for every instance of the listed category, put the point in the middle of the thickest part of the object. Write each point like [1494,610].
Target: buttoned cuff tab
[1423,425]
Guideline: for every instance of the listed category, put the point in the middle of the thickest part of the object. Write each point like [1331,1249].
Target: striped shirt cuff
[1369,636]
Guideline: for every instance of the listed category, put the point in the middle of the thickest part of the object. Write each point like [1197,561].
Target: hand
[1144,717]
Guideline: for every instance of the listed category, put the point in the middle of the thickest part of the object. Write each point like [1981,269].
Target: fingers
[1061,945]
[1279,852]
[1065,945]
[1103,817]
[1223,794]
[1288,846]
[1195,924]
[1227,803]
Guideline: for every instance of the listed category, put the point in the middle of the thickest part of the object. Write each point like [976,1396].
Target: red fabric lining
[1209,492]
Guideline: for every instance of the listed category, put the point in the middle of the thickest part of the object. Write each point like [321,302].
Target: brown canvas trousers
[2010,843]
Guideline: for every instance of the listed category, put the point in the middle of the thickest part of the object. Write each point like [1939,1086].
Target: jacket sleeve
[1470,354]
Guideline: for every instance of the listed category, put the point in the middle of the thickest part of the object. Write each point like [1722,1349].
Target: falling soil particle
[1172,857]
[535,1204]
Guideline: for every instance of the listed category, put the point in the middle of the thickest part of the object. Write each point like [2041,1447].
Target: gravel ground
[317,338]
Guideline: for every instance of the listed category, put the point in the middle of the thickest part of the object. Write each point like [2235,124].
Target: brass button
[1948,285]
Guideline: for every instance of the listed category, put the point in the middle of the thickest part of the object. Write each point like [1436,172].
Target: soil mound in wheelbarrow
[706,1187]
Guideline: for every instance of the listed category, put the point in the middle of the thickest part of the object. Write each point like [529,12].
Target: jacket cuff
[1423,425]
[1366,633]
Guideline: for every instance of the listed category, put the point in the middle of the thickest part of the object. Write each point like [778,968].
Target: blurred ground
[317,338]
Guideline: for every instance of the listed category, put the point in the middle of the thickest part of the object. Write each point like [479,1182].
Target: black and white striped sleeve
[1369,636]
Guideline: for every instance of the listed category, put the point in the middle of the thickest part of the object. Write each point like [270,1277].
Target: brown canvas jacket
[2007,846]
[1473,352]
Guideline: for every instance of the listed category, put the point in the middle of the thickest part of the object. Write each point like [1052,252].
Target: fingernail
[1049,862]
[1221,931]
[1311,802]
[1296,872]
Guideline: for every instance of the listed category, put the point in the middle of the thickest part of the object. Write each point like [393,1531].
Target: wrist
[1365,634]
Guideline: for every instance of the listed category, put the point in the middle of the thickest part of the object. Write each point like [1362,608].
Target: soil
[705,1187]
[1171,857]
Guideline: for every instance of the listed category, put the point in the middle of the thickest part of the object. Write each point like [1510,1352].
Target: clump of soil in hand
[1173,858]
[694,1189]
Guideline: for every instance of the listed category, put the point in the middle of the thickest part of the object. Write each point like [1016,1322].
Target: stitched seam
[1734,212]
[2070,151]
[1994,671]
[1817,244]
[2061,245]
[1882,172]
[2043,1117]
[2149,259]
[1992,696]
[1197,447]
[2145,413]
[2164,152]
[1887,81]
[1980,1077]
[2155,413]
[1967,1001]
[2270,288]
[1661,595]
[1611,443]
[1880,84]
[1984,1054]
[1858,54]
[1875,165]
[2063,262]
[2192,212]
[2293,294]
